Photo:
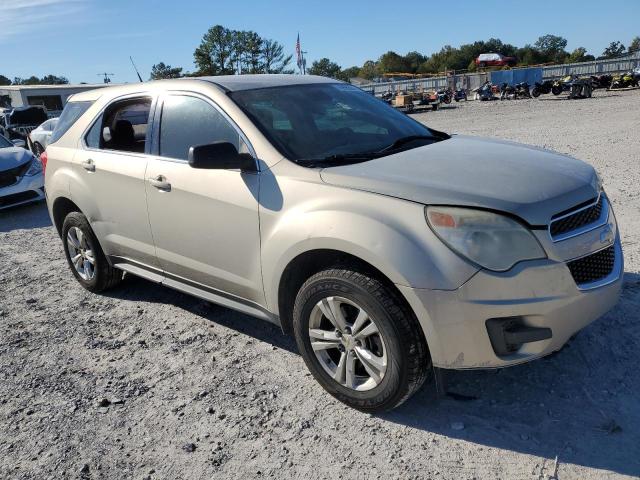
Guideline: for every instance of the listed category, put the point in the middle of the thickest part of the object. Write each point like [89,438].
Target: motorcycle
[624,80]
[485,92]
[541,88]
[507,92]
[562,85]
[460,94]
[601,81]
[519,90]
[445,96]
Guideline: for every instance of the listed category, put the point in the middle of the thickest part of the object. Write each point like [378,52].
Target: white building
[52,97]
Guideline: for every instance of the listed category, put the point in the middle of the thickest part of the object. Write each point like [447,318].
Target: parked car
[17,123]
[385,247]
[494,60]
[21,178]
[41,135]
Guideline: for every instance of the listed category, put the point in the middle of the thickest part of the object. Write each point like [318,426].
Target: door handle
[160,182]
[88,165]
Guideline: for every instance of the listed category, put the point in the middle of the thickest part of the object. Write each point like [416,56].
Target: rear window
[71,113]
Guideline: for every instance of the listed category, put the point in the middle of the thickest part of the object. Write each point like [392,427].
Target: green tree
[369,70]
[274,60]
[351,72]
[248,51]
[32,80]
[615,49]
[54,80]
[634,46]
[391,62]
[579,55]
[413,60]
[552,48]
[215,54]
[161,71]
[4,80]
[326,68]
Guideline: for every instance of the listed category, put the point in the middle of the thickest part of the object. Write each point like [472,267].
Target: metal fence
[472,81]
[597,67]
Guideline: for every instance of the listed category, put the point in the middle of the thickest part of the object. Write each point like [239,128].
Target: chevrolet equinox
[385,247]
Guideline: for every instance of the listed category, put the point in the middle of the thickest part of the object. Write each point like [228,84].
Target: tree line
[223,51]
[33,80]
[547,49]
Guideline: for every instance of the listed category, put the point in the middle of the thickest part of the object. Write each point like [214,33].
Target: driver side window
[189,121]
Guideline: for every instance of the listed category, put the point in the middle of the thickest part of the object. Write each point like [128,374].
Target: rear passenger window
[71,113]
[189,121]
[123,126]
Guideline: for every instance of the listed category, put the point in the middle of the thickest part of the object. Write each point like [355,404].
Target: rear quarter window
[70,115]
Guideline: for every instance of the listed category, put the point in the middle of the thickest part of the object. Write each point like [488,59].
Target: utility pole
[304,63]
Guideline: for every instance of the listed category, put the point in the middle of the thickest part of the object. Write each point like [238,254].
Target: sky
[80,38]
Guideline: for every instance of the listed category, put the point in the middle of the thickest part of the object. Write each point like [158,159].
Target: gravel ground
[144,382]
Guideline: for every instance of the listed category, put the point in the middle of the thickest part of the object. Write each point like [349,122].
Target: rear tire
[397,350]
[89,264]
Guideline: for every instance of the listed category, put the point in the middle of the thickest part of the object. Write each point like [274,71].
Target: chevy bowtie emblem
[606,236]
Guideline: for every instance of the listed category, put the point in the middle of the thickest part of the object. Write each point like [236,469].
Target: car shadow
[24,217]
[139,289]
[579,404]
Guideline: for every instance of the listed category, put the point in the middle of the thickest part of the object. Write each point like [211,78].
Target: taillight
[43,160]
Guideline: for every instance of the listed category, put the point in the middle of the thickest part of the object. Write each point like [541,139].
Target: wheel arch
[62,206]
[310,262]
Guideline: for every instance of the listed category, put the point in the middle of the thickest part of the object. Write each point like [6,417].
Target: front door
[204,222]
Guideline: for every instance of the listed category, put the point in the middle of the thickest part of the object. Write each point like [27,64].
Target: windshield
[333,123]
[4,143]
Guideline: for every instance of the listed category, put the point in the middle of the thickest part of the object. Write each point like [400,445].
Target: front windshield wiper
[338,159]
[408,139]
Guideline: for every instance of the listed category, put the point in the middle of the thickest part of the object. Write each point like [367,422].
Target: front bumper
[26,190]
[540,293]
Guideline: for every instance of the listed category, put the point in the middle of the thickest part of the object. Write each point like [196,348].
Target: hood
[529,182]
[27,116]
[12,157]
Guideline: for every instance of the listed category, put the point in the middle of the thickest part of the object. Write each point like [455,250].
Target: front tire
[359,340]
[85,256]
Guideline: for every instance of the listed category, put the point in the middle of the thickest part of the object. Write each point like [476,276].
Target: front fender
[388,233]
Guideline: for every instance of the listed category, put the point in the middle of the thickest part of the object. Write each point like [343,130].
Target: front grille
[580,218]
[17,198]
[11,176]
[593,267]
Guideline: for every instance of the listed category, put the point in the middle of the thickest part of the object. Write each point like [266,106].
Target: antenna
[106,76]
[135,68]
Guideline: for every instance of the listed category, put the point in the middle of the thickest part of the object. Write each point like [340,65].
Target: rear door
[111,171]
[204,222]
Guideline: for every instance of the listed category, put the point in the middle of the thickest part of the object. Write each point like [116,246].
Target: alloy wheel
[81,253]
[347,343]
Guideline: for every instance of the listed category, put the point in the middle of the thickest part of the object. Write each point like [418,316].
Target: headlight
[493,241]
[35,168]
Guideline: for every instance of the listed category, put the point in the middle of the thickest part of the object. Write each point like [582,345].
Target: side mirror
[19,143]
[221,156]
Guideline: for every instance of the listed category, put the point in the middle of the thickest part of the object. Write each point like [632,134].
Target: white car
[21,177]
[40,136]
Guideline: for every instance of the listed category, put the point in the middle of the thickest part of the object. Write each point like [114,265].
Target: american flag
[299,53]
